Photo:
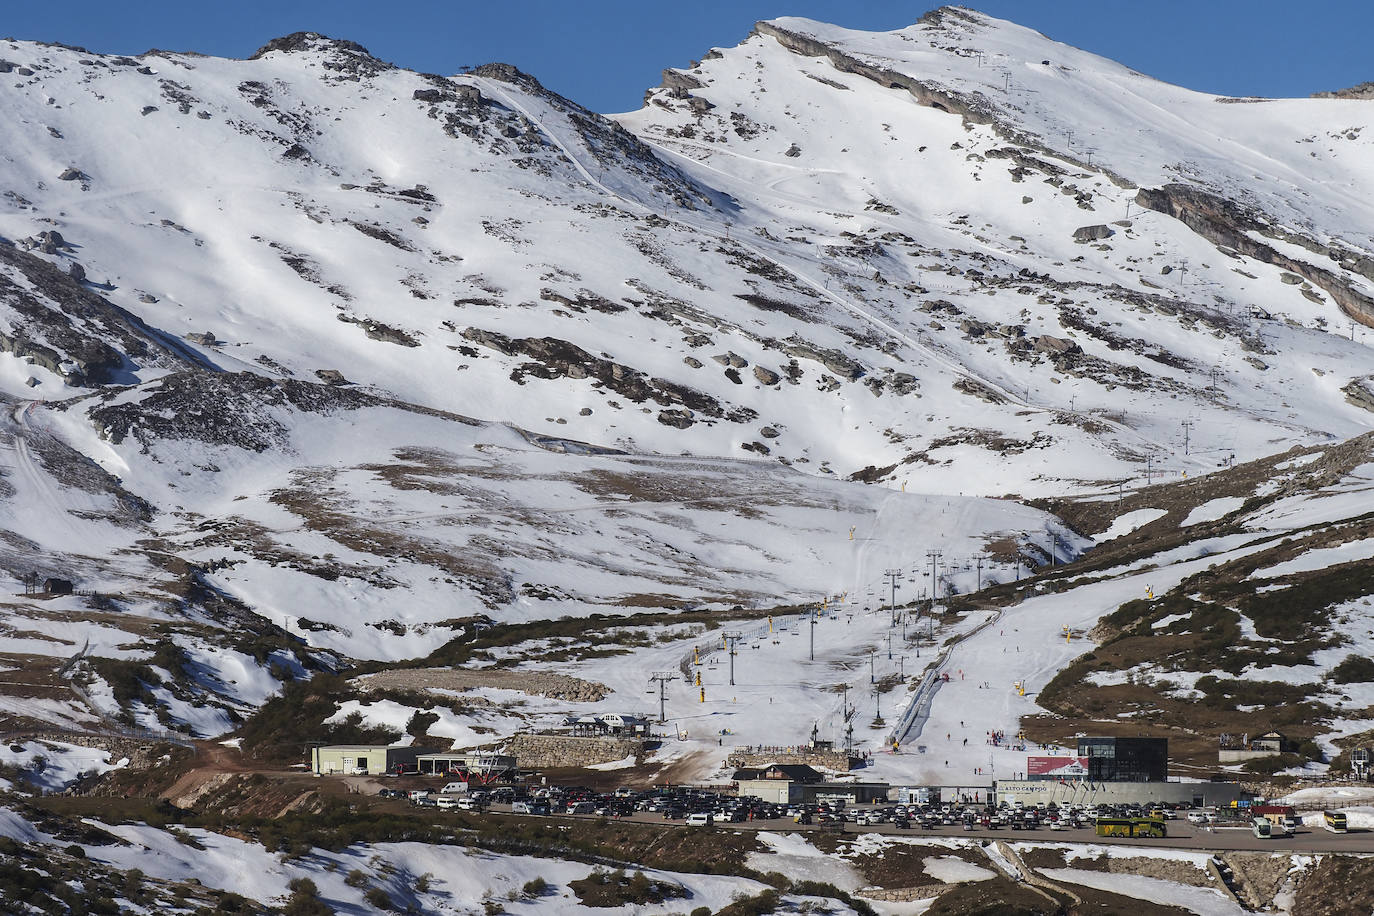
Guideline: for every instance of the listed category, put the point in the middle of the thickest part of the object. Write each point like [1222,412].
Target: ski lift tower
[893,576]
[732,643]
[663,677]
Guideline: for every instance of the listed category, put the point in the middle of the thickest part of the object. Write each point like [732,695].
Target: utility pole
[901,666]
[893,576]
[872,671]
[889,644]
[1187,428]
[934,557]
[663,677]
[1149,469]
[979,561]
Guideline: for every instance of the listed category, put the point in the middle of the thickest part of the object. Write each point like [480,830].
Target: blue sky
[605,53]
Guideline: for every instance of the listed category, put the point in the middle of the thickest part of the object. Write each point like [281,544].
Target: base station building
[1111,771]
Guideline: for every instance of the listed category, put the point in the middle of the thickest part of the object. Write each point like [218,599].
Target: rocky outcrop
[834,360]
[554,358]
[1225,223]
[1093,233]
[731,359]
[348,59]
[678,419]
[220,409]
[378,331]
[1055,346]
[1362,91]
[1358,393]
[977,389]
[680,83]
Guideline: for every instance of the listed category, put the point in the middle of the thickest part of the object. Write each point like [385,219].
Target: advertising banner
[1057,767]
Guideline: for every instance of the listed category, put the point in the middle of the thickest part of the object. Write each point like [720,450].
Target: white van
[454,788]
[699,819]
[446,801]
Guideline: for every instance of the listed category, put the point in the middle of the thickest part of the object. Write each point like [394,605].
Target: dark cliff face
[1225,223]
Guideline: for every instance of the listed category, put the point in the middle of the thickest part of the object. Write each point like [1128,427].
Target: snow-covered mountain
[311,358]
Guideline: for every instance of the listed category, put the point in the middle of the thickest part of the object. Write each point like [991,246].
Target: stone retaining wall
[903,894]
[830,760]
[141,754]
[568,751]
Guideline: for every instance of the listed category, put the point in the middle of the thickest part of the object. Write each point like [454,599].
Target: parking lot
[701,809]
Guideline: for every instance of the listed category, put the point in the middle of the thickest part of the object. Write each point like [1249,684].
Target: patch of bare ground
[689,768]
[345,524]
[135,625]
[1336,886]
[902,865]
[1038,857]
[1104,903]
[28,675]
[994,897]
[654,486]
[535,683]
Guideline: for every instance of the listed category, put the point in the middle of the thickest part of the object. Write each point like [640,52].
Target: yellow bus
[1152,827]
[1335,821]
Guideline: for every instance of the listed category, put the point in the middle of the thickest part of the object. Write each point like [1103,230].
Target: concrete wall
[1116,793]
[540,751]
[774,791]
